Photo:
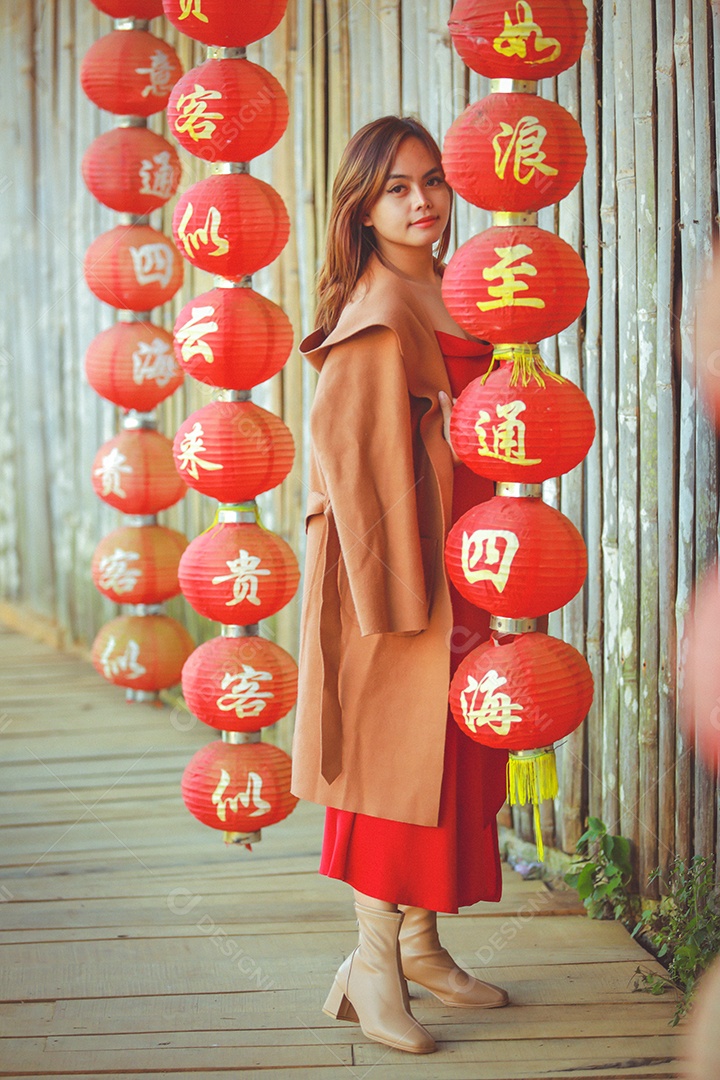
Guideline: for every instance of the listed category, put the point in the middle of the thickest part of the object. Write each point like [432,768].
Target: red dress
[455,863]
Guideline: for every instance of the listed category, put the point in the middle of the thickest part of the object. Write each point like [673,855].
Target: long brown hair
[363,171]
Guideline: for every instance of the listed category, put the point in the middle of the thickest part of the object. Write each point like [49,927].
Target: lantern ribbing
[134,268]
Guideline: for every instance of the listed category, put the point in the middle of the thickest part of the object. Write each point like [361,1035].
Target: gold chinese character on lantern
[244,575]
[117,574]
[243,691]
[153,361]
[194,8]
[191,447]
[487,555]
[507,438]
[193,116]
[205,235]
[524,142]
[162,75]
[191,335]
[252,796]
[152,262]
[514,38]
[157,176]
[506,293]
[497,710]
[110,472]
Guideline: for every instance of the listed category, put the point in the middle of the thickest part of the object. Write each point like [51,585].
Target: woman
[411,802]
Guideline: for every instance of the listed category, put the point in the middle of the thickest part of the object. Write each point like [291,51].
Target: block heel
[339,1006]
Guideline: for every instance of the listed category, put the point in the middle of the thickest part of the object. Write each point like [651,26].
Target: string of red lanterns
[135,268]
[514,284]
[231,224]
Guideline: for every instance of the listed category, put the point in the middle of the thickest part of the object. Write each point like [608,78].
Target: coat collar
[385,297]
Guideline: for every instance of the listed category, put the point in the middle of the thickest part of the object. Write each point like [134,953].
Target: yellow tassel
[528,365]
[532,777]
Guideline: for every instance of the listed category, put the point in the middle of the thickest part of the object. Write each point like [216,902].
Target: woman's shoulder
[382,300]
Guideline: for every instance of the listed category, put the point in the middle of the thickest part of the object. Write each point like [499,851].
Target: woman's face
[414,207]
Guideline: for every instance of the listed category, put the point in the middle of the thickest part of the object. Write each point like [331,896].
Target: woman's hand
[446,406]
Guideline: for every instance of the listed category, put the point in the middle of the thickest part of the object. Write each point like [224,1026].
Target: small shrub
[601,873]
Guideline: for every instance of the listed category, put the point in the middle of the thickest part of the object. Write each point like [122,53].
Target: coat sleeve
[362,435]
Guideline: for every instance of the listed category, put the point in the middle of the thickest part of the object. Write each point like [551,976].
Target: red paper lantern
[217,22]
[514,152]
[234,338]
[516,557]
[515,284]
[143,652]
[133,365]
[231,224]
[131,170]
[135,473]
[238,788]
[700,712]
[519,39]
[228,110]
[240,684]
[521,434]
[133,267]
[521,695]
[130,72]
[130,9]
[233,450]
[138,564]
[238,574]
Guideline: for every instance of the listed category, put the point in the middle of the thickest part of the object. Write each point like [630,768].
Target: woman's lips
[425,223]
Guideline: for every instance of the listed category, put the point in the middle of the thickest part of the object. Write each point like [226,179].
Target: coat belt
[330,630]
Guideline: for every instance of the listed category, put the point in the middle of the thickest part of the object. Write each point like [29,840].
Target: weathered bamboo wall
[643,218]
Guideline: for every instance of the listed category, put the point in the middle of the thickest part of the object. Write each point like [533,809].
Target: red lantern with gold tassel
[523,695]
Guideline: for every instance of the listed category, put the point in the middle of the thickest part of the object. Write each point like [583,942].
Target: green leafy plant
[683,930]
[601,872]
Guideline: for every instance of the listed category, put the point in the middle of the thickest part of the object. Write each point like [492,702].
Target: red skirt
[455,863]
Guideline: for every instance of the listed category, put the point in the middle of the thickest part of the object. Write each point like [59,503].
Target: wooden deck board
[133,943]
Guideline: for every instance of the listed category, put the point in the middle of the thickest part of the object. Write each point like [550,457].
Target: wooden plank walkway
[134,943]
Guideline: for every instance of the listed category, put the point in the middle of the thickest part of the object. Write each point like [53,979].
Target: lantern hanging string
[527,365]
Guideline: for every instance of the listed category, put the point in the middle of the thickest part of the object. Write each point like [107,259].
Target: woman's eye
[396,189]
[435,180]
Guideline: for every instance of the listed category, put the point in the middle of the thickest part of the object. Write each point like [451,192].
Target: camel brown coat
[376,613]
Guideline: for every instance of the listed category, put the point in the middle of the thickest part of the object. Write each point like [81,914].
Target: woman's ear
[366,220]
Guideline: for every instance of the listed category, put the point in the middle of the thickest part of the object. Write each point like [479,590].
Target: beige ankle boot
[369,987]
[426,962]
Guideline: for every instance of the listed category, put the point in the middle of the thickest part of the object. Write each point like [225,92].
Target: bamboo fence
[643,218]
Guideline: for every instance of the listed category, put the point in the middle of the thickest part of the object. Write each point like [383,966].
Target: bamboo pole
[666,431]
[608,220]
[706,458]
[569,343]
[592,383]
[686,442]
[646,234]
